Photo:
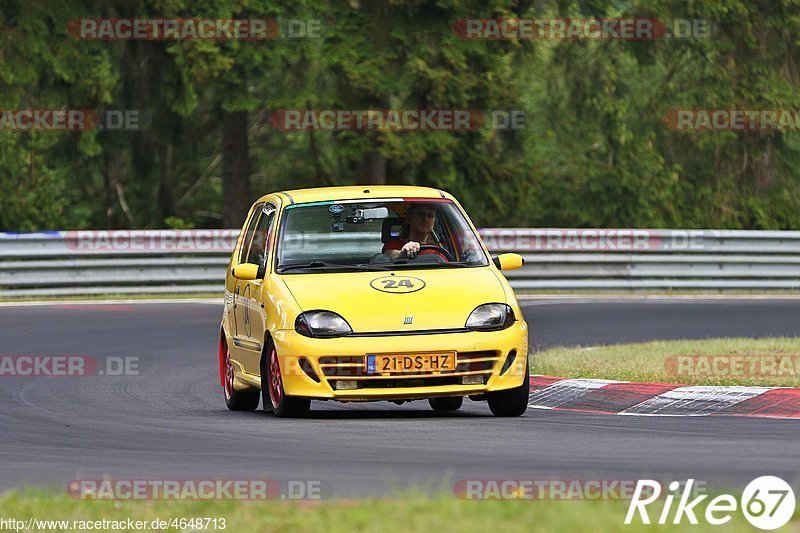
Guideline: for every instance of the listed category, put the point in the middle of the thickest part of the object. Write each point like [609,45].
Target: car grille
[354,367]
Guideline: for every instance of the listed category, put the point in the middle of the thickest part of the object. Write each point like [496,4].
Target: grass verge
[731,361]
[404,513]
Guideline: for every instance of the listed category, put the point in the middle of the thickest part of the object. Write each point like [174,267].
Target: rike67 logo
[767,502]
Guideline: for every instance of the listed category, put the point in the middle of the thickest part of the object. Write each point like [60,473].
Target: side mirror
[246,271]
[508,261]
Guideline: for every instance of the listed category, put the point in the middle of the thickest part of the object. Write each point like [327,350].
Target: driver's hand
[410,249]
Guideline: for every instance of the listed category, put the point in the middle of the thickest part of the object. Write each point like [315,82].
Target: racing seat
[390,229]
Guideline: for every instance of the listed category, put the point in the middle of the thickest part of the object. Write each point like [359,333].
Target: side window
[441,229]
[454,238]
[248,233]
[258,252]
[438,227]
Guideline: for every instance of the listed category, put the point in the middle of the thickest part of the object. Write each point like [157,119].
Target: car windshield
[350,235]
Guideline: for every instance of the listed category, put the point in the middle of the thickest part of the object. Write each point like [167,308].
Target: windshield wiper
[320,265]
[448,264]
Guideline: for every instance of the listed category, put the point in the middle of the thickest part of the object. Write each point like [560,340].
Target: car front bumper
[498,357]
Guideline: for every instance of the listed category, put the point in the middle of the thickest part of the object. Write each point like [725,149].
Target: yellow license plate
[415,362]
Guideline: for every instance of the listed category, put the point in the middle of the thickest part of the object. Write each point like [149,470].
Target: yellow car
[369,293]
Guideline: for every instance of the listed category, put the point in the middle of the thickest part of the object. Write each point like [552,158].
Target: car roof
[321,194]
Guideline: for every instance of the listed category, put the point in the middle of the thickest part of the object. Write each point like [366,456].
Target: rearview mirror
[246,271]
[508,261]
[376,213]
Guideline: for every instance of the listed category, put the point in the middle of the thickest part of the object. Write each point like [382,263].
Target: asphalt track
[170,421]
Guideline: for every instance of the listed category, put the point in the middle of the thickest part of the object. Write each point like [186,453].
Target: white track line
[696,400]
[564,391]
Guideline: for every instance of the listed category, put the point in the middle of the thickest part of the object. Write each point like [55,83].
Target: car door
[235,315]
[250,313]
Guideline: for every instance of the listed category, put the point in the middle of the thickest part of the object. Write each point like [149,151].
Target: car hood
[384,301]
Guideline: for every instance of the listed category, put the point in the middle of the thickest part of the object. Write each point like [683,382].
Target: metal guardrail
[194,261]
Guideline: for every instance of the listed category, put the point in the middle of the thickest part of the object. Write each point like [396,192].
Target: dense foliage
[595,150]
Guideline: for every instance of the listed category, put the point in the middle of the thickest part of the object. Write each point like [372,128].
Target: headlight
[488,317]
[321,324]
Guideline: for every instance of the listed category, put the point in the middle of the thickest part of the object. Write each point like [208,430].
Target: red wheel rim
[228,375]
[275,383]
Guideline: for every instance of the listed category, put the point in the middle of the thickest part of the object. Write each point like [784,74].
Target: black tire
[243,401]
[237,400]
[511,402]
[450,403]
[285,406]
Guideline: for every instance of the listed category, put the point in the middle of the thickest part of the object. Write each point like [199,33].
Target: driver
[417,231]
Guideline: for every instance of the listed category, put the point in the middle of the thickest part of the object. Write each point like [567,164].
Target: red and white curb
[662,399]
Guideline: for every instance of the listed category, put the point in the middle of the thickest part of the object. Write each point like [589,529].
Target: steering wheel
[432,248]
